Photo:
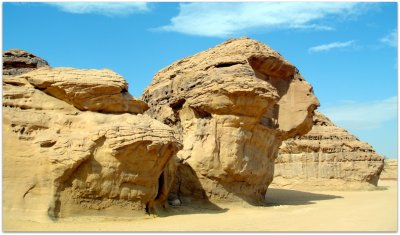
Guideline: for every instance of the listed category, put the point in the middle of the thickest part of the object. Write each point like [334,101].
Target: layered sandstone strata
[232,106]
[389,170]
[62,157]
[87,89]
[327,157]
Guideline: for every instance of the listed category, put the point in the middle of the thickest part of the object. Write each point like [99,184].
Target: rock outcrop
[232,106]
[17,62]
[328,157]
[389,170]
[87,89]
[60,159]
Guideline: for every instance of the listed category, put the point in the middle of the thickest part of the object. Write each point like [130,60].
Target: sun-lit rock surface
[60,161]
[231,106]
[87,89]
[389,170]
[327,157]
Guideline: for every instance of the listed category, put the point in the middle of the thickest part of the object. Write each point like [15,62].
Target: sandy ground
[287,210]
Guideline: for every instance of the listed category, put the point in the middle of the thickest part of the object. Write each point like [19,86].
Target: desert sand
[286,210]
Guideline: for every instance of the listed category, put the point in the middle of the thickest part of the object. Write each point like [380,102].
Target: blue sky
[346,50]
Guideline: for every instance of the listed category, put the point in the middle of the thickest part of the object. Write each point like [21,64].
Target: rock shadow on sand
[200,207]
[280,197]
[188,190]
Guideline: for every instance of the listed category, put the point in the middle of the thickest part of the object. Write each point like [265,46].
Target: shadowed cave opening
[161,196]
[199,113]
[161,185]
[177,105]
[17,64]
[227,64]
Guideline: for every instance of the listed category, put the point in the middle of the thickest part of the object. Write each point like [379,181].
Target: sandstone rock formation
[389,170]
[62,157]
[327,157]
[232,106]
[94,90]
[17,62]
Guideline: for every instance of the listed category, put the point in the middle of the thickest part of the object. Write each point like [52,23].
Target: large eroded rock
[327,157]
[16,61]
[87,89]
[232,106]
[60,161]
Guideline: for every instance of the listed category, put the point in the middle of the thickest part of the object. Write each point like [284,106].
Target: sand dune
[286,210]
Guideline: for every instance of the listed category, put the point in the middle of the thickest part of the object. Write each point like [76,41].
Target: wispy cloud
[102,8]
[330,46]
[363,115]
[227,19]
[390,39]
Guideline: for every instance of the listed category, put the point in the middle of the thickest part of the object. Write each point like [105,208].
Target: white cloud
[102,8]
[363,115]
[226,19]
[330,46]
[390,39]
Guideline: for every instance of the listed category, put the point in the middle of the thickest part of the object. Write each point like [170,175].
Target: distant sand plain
[286,210]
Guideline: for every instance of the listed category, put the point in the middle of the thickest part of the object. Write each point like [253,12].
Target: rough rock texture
[60,161]
[389,170]
[231,106]
[17,62]
[94,90]
[327,157]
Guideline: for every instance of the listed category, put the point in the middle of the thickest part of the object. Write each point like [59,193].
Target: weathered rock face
[17,62]
[94,90]
[389,170]
[60,161]
[231,106]
[327,157]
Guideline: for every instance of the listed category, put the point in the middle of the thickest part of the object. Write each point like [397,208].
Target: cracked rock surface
[231,106]
[87,89]
[16,61]
[62,157]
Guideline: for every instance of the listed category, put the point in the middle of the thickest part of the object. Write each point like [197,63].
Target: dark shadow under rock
[280,197]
